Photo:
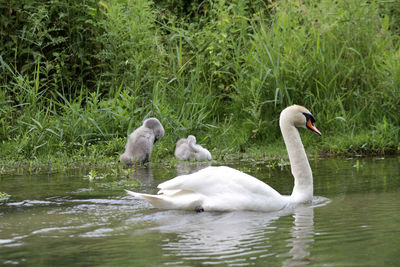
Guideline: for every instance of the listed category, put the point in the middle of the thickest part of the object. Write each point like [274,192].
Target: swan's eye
[310,117]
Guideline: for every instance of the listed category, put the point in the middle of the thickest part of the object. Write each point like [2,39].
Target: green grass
[88,74]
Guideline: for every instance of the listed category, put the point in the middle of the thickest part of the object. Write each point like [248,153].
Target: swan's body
[140,142]
[187,149]
[224,188]
[215,188]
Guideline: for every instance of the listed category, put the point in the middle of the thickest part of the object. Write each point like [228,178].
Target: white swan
[224,188]
[140,142]
[187,149]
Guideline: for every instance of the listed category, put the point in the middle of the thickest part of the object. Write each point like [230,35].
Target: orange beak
[311,126]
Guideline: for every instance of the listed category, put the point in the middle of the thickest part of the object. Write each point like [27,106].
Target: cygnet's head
[191,139]
[298,116]
[156,126]
[125,158]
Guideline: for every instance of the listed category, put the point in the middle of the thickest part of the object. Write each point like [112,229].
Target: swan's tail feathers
[134,193]
[156,200]
[147,197]
[176,199]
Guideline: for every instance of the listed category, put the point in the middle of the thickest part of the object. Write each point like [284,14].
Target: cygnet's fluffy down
[187,149]
[140,142]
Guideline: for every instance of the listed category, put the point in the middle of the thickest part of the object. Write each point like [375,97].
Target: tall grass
[334,59]
[88,73]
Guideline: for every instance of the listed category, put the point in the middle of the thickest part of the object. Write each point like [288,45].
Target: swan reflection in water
[237,237]
[187,167]
[143,174]
[302,234]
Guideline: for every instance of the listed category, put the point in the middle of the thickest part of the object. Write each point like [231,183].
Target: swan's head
[298,116]
[156,126]
[191,139]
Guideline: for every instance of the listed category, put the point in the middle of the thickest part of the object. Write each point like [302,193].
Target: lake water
[68,220]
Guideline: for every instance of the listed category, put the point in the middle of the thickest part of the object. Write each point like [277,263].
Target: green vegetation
[4,196]
[78,76]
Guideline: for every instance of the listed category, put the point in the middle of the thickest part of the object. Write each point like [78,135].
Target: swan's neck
[301,170]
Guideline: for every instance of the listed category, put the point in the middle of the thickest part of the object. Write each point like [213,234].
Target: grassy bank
[77,77]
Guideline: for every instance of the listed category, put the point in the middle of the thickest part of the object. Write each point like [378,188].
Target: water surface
[66,219]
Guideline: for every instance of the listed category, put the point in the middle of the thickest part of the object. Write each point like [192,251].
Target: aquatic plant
[4,196]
